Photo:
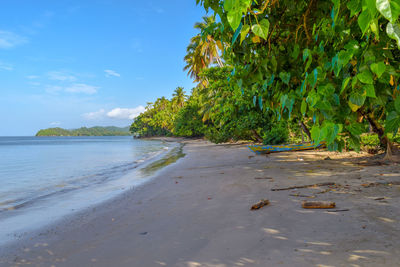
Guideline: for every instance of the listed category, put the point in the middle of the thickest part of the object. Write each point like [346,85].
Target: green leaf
[354,6]
[344,84]
[397,104]
[234,18]
[237,32]
[261,30]
[303,107]
[393,31]
[364,20]
[244,32]
[375,28]
[285,77]
[370,90]
[365,77]
[330,131]
[390,9]
[392,122]
[228,5]
[356,100]
[296,51]
[378,68]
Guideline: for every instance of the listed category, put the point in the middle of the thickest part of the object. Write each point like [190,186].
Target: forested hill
[94,131]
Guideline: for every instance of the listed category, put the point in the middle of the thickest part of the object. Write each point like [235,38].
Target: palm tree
[203,50]
[178,98]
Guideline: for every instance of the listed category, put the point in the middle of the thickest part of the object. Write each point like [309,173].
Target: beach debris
[259,205]
[318,205]
[144,233]
[251,157]
[327,158]
[263,178]
[303,186]
[379,198]
[209,198]
[337,210]
[381,183]
[298,195]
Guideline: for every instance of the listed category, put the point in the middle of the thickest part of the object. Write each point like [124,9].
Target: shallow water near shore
[45,178]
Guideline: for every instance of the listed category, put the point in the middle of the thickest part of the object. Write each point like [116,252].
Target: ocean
[43,179]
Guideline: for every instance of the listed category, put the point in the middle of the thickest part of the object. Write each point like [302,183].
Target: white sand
[197,213]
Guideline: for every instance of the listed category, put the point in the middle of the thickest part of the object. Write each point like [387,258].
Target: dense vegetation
[94,131]
[265,67]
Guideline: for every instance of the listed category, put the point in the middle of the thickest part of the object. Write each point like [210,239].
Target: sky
[75,63]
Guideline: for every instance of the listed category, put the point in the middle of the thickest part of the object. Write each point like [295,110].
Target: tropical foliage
[94,131]
[332,62]
[271,69]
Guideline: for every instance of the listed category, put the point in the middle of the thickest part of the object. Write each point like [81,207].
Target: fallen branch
[302,186]
[337,210]
[318,205]
[263,178]
[259,205]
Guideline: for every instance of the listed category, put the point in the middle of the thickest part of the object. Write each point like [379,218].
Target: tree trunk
[378,129]
[257,136]
[305,129]
[384,140]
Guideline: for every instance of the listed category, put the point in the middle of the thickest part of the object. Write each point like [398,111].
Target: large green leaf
[365,77]
[370,90]
[285,77]
[261,29]
[390,9]
[356,100]
[234,18]
[364,20]
[393,31]
[378,68]
[392,122]
[228,4]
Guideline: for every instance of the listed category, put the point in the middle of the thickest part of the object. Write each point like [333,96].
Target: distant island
[93,131]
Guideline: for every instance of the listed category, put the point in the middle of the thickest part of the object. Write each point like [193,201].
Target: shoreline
[196,212]
[43,211]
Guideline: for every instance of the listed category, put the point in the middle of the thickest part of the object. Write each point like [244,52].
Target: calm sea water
[45,178]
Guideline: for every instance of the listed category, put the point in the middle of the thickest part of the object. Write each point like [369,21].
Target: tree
[203,49]
[326,61]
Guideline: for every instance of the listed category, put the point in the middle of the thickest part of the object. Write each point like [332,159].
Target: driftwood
[318,205]
[302,186]
[337,210]
[259,205]
[264,178]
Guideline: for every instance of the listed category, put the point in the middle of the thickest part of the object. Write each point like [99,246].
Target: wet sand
[196,212]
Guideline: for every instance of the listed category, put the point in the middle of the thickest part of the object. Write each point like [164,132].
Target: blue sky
[84,63]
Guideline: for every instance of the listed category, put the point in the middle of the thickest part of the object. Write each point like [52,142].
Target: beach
[196,212]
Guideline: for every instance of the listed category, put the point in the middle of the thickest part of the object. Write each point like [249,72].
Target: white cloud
[5,66]
[32,77]
[61,76]
[10,39]
[125,113]
[95,115]
[82,88]
[116,113]
[110,73]
[56,123]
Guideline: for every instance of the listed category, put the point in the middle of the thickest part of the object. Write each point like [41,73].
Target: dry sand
[196,212]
